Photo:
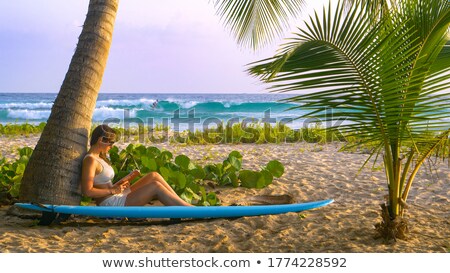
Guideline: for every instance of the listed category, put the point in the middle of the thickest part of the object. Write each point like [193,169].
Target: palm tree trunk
[54,170]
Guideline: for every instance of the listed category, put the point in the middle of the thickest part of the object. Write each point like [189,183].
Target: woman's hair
[107,133]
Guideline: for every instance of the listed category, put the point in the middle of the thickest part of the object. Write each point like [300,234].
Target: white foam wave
[143,102]
[25,114]
[228,104]
[189,104]
[238,102]
[103,113]
[183,103]
[26,105]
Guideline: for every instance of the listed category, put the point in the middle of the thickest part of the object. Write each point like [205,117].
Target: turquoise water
[174,110]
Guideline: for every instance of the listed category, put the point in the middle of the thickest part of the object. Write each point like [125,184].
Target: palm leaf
[366,72]
[443,59]
[256,22]
[430,22]
[438,145]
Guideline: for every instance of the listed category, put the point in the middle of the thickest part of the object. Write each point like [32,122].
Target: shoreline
[312,172]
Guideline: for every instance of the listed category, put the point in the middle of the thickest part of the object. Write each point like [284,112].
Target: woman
[97,175]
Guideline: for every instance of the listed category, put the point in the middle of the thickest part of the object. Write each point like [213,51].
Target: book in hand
[129,177]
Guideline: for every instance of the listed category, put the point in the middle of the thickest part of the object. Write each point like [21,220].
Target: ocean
[178,111]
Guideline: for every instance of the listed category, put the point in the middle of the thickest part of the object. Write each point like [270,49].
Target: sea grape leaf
[183,161]
[145,161]
[219,169]
[209,174]
[140,150]
[261,181]
[193,194]
[198,172]
[26,151]
[235,154]
[14,190]
[166,156]
[267,177]
[149,163]
[165,173]
[23,159]
[208,199]
[186,196]
[225,180]
[20,168]
[227,167]
[249,179]
[234,179]
[190,183]
[275,168]
[153,151]
[203,192]
[172,166]
[212,199]
[235,162]
[129,149]
[152,164]
[114,154]
[180,179]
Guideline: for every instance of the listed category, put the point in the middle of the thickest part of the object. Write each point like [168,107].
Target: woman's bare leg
[149,178]
[146,192]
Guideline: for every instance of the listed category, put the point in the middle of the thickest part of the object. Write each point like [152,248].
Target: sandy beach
[313,172]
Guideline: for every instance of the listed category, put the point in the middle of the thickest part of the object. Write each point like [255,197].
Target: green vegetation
[188,178]
[258,133]
[236,133]
[13,129]
[230,173]
[185,177]
[11,174]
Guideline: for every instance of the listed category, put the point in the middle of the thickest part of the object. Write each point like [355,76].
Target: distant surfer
[155,104]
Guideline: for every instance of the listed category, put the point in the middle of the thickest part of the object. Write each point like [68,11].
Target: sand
[313,172]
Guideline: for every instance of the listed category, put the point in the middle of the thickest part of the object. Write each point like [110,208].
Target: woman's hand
[120,187]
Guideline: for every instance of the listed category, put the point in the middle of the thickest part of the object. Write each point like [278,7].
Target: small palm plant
[388,78]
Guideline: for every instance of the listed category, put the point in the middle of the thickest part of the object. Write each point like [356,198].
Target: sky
[170,46]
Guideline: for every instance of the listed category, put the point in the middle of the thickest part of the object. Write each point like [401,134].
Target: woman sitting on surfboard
[97,175]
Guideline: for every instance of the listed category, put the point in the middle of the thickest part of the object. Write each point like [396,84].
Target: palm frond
[443,59]
[430,22]
[438,145]
[256,22]
[378,8]
[374,75]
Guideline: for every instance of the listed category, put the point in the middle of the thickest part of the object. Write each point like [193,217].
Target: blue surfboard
[175,211]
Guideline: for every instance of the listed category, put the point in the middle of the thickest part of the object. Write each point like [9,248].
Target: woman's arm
[87,180]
